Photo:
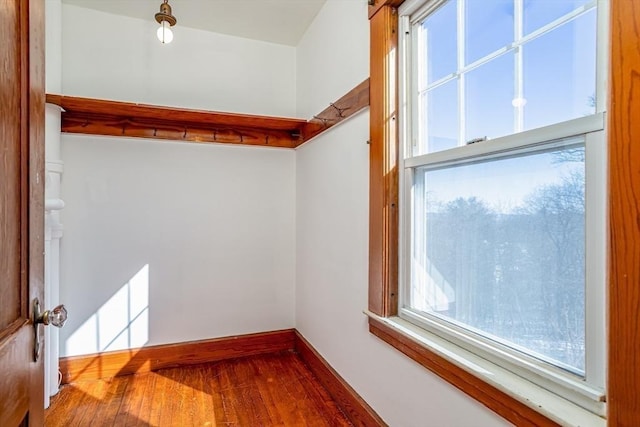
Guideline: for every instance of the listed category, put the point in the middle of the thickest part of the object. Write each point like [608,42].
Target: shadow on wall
[120,323]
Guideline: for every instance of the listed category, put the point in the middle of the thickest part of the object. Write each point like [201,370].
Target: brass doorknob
[55,317]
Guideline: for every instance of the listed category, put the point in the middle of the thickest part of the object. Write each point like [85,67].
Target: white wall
[115,57]
[212,226]
[332,239]
[164,241]
[333,54]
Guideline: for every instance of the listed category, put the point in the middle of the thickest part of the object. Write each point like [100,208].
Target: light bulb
[165,35]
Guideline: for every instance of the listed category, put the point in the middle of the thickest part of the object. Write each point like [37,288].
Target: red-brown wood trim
[131,128]
[512,410]
[378,4]
[623,401]
[383,173]
[113,118]
[21,199]
[72,104]
[351,103]
[145,359]
[350,402]
[125,119]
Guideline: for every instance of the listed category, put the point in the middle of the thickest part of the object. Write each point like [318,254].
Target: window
[502,246]
[490,69]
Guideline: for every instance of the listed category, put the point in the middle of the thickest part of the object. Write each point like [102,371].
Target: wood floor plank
[233,387]
[108,413]
[60,401]
[146,402]
[88,407]
[158,396]
[93,392]
[323,403]
[267,387]
[264,390]
[224,410]
[170,402]
[290,389]
[131,402]
[202,413]
[252,394]
[317,406]
[64,404]
[183,397]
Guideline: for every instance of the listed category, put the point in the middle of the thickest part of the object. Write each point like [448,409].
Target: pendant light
[166,21]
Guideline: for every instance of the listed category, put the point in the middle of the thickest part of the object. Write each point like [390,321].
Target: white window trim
[591,408]
[543,401]
[589,395]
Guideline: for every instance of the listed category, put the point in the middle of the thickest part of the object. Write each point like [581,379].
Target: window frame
[588,395]
[422,8]
[588,392]
[623,346]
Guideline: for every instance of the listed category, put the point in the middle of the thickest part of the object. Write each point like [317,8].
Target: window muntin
[544,76]
[435,145]
[537,14]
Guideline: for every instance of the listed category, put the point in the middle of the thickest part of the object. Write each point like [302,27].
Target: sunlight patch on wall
[120,323]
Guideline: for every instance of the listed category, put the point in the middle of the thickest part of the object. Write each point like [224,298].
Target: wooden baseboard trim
[350,402]
[145,359]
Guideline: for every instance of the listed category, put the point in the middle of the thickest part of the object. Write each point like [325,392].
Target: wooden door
[21,208]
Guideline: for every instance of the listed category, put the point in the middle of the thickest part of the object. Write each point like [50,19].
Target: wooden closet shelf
[126,119]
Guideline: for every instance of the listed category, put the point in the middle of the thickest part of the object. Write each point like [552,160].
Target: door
[21,208]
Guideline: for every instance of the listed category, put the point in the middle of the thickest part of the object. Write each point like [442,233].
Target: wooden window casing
[623,192]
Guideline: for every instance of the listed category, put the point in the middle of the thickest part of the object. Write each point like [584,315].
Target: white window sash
[588,393]
[532,138]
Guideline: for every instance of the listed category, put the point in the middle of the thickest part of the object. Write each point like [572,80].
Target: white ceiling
[277,21]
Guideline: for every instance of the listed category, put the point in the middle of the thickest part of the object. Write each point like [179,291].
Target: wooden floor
[267,390]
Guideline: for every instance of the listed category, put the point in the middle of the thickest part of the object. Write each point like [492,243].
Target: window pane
[498,248]
[560,73]
[538,13]
[441,41]
[441,125]
[489,93]
[489,27]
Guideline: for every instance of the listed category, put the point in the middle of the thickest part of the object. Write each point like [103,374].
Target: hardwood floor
[265,390]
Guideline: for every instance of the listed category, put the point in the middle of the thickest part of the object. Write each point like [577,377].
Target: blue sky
[559,79]
[503,185]
[559,68]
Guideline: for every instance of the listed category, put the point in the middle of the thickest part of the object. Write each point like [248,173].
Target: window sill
[516,399]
